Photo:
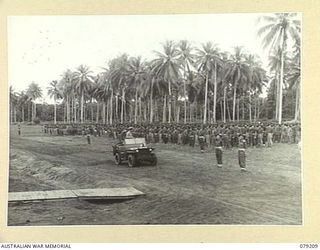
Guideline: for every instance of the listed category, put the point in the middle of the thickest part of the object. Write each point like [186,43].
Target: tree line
[182,83]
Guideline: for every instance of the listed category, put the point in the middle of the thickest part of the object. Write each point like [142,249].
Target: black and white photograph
[180,119]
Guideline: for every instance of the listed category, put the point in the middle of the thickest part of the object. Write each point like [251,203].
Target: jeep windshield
[135,141]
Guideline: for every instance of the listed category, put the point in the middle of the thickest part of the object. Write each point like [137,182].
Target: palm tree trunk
[255,110]
[238,109]
[91,110]
[178,114]
[140,110]
[136,107]
[205,100]
[125,112]
[234,102]
[98,113]
[258,112]
[122,106]
[64,113]
[242,107]
[281,81]
[106,116]
[190,112]
[15,113]
[22,113]
[35,110]
[277,96]
[221,110]
[156,109]
[116,118]
[297,108]
[145,111]
[174,109]
[185,102]
[151,100]
[169,102]
[215,93]
[111,108]
[72,110]
[81,110]
[11,112]
[224,104]
[250,107]
[208,112]
[68,110]
[55,111]
[28,105]
[228,109]
[164,120]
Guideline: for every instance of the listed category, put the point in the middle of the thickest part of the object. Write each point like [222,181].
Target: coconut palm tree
[22,100]
[136,72]
[236,71]
[257,79]
[204,57]
[83,79]
[187,59]
[54,92]
[294,80]
[13,105]
[208,61]
[119,76]
[276,31]
[102,93]
[67,90]
[166,67]
[34,92]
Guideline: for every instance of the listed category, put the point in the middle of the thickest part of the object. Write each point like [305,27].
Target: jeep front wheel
[117,159]
[131,161]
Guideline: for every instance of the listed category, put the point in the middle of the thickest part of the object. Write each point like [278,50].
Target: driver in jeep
[129,133]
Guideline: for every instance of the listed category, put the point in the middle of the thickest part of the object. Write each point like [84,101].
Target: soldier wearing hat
[129,133]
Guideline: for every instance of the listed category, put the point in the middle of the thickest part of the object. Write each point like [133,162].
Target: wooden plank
[41,195]
[100,193]
[108,193]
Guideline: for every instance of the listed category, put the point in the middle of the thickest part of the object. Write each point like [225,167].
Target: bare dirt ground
[185,188]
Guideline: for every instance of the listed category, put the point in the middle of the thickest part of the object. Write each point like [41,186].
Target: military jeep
[135,152]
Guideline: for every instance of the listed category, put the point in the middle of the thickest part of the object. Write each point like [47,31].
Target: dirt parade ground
[185,188]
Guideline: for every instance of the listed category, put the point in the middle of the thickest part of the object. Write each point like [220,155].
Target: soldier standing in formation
[242,153]
[219,151]
[88,136]
[19,129]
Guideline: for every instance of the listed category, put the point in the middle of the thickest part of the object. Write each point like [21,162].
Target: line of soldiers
[256,135]
[219,136]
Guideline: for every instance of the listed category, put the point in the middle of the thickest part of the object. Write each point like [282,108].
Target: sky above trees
[40,48]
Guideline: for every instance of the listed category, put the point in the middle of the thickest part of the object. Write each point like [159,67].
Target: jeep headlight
[150,149]
[137,150]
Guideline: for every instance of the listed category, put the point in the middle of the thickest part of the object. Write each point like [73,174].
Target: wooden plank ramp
[83,194]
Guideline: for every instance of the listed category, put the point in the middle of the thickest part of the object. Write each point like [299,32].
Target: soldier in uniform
[269,135]
[260,137]
[242,153]
[165,137]
[218,150]
[191,138]
[88,135]
[180,136]
[19,129]
[129,133]
[202,140]
[156,135]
